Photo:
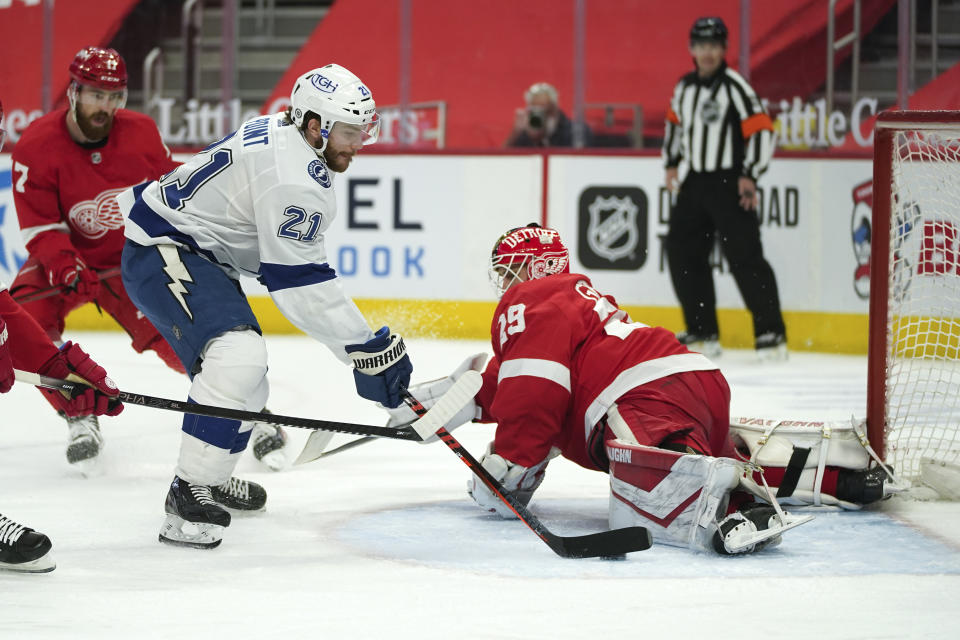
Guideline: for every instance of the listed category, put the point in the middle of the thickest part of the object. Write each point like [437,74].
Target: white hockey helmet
[334,94]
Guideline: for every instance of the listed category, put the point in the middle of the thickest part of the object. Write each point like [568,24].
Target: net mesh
[923,324]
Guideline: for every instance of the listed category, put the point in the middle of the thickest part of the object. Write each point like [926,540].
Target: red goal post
[913,377]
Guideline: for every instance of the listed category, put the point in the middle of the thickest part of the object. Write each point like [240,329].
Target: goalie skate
[241,496]
[754,527]
[194,519]
[268,445]
[24,550]
[84,443]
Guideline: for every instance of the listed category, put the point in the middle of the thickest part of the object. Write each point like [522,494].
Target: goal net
[913,393]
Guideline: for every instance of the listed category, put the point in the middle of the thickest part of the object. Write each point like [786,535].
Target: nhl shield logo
[613,228]
[612,231]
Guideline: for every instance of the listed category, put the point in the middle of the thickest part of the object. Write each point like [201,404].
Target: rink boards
[413,234]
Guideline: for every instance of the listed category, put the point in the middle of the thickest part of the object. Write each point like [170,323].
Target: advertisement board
[614,213]
[414,232]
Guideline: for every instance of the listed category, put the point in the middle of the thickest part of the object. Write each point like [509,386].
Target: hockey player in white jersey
[256,203]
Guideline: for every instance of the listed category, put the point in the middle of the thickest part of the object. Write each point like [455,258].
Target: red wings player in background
[67,169]
[572,375]
[24,345]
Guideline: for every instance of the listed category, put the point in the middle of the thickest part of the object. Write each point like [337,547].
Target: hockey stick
[315,448]
[68,387]
[52,291]
[344,447]
[611,544]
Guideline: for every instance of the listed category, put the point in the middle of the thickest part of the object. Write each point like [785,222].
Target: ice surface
[382,542]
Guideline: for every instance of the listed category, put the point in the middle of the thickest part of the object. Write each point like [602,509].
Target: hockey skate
[708,345]
[754,527]
[864,487]
[194,519]
[84,443]
[240,496]
[771,347]
[268,444]
[23,549]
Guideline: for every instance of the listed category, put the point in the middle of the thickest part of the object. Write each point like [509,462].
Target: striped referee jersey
[718,123]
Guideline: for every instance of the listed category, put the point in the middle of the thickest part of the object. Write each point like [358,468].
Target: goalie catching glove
[381,368]
[519,480]
[427,393]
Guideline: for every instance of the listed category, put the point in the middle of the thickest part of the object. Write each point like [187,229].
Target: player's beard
[95,127]
[337,160]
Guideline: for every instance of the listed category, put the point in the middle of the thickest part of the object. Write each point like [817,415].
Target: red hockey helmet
[100,68]
[527,253]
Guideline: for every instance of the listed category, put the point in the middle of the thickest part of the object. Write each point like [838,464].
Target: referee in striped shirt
[717,125]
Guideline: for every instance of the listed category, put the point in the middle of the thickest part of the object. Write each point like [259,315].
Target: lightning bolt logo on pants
[178,273]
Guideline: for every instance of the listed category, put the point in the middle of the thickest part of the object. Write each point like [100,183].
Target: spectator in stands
[541,123]
[717,125]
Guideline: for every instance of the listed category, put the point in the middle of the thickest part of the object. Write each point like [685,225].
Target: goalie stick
[610,544]
[68,387]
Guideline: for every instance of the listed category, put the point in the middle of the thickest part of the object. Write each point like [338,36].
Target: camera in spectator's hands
[536,118]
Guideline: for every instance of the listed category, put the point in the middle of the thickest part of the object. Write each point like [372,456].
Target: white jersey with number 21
[256,203]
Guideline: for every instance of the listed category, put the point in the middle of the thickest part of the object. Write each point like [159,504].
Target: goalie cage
[913,379]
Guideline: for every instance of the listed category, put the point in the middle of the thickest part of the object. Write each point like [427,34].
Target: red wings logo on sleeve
[94,218]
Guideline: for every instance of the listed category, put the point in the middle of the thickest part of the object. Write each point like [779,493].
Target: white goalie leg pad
[233,376]
[429,392]
[678,497]
[804,449]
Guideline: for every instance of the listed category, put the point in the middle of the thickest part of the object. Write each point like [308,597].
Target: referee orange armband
[756,122]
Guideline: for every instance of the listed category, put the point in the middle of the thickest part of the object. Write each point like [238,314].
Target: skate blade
[89,467]
[789,522]
[43,564]
[196,535]
[243,513]
[275,460]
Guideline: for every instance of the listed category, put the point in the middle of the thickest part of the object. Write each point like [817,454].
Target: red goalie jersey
[563,356]
[62,186]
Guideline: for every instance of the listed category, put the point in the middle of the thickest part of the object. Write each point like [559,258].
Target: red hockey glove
[71,363]
[67,269]
[6,362]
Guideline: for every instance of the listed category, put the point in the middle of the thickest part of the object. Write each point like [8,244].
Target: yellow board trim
[458,319]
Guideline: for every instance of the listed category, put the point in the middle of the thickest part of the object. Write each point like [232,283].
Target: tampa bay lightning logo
[318,171]
[322,83]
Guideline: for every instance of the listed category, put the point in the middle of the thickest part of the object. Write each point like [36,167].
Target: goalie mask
[527,253]
[333,94]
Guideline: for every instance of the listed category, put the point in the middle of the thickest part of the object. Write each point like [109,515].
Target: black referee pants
[707,205]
